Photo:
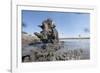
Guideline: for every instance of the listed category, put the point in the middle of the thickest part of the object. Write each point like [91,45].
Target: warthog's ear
[41,26]
[53,26]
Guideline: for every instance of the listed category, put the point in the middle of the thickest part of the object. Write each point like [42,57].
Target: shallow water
[77,43]
[67,44]
[83,44]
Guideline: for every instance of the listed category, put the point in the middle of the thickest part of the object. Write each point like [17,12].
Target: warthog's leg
[23,58]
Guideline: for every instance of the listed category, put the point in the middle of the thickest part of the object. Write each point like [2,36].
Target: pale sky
[67,23]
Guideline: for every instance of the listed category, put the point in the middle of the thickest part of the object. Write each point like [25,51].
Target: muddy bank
[52,53]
